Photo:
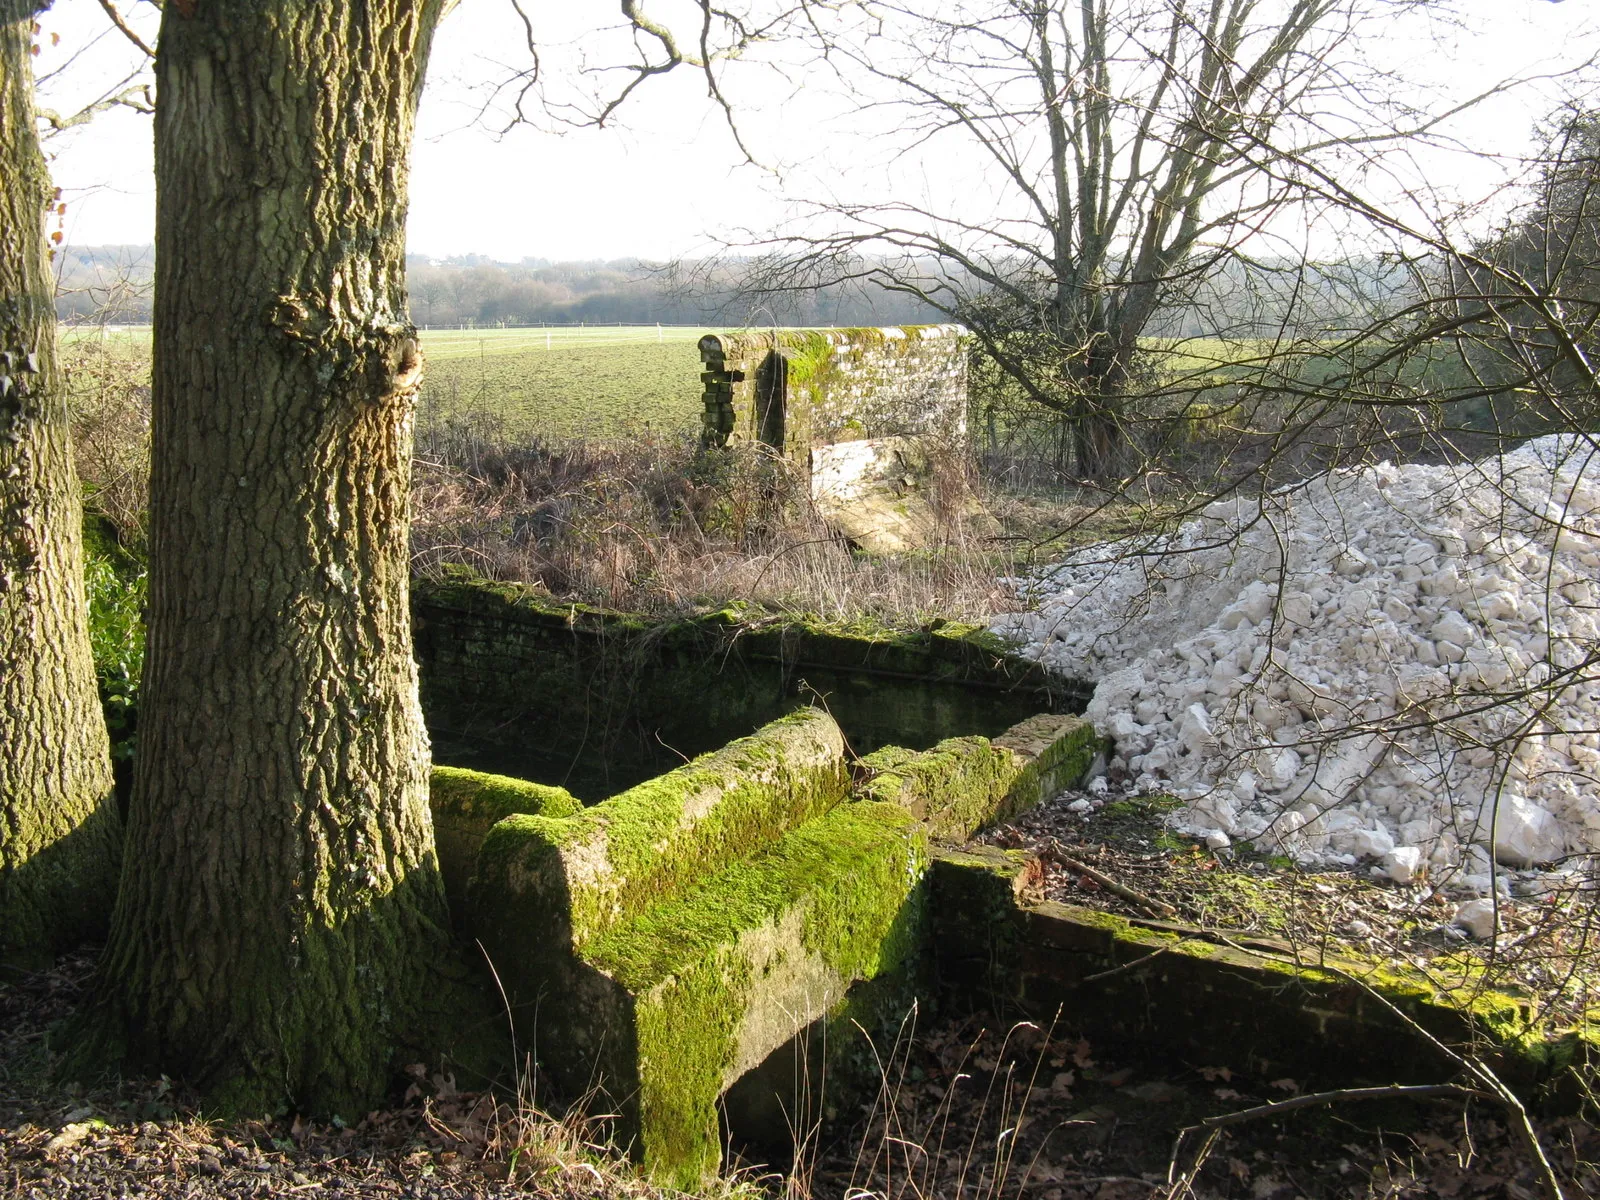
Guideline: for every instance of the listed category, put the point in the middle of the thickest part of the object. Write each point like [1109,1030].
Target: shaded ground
[1029,1112]
[145,1138]
[968,1109]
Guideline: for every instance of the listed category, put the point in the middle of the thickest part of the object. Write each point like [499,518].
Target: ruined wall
[798,388]
[595,701]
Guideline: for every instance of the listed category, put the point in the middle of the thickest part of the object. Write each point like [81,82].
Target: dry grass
[645,523]
[649,525]
[108,391]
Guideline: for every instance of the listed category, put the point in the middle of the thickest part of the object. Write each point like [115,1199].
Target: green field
[609,381]
[591,382]
[595,381]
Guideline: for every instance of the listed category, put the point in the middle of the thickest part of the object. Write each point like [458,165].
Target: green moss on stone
[467,804]
[719,976]
[993,944]
[963,784]
[955,787]
[546,881]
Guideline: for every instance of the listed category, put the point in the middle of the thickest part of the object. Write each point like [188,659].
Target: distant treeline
[632,292]
[114,284]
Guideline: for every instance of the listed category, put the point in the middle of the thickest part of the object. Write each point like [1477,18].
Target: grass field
[609,381]
[594,381]
[597,382]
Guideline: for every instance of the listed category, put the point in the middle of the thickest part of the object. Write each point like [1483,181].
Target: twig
[1180,1185]
[125,28]
[1480,1071]
[750,594]
[1392,1091]
[137,97]
[1135,964]
[1160,907]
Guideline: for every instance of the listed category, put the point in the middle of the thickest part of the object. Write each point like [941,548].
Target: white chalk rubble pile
[1393,663]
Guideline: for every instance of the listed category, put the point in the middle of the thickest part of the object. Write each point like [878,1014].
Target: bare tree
[1532,308]
[1124,153]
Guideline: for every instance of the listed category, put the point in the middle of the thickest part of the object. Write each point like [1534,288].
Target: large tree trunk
[59,831]
[281,919]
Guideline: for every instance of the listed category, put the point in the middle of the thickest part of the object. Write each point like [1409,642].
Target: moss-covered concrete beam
[545,884]
[467,804]
[1224,999]
[675,1006]
[965,783]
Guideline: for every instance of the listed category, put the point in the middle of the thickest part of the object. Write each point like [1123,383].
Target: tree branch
[127,31]
[137,97]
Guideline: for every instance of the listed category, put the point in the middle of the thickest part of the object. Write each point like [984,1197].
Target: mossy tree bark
[59,830]
[281,918]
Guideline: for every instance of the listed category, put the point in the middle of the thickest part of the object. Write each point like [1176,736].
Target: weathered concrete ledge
[663,943]
[467,804]
[1224,1000]
[701,990]
[943,652]
[965,783]
[546,886]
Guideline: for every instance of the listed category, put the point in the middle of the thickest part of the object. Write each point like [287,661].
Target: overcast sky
[669,176]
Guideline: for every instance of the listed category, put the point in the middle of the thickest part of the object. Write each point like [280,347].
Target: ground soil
[146,1138]
[969,1108]
[982,1110]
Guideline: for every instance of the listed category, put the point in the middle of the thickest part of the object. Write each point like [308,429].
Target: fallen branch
[1179,1185]
[1160,907]
[1479,1070]
[1135,964]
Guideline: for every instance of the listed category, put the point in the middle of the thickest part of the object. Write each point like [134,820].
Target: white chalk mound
[1395,663]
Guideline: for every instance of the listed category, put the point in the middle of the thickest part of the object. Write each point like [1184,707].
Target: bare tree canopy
[1122,154]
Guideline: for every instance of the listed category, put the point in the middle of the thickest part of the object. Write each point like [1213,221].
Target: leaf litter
[975,1110]
[1543,943]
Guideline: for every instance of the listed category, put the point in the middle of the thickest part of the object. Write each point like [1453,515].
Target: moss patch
[545,883]
[1238,999]
[963,784]
[467,804]
[724,976]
